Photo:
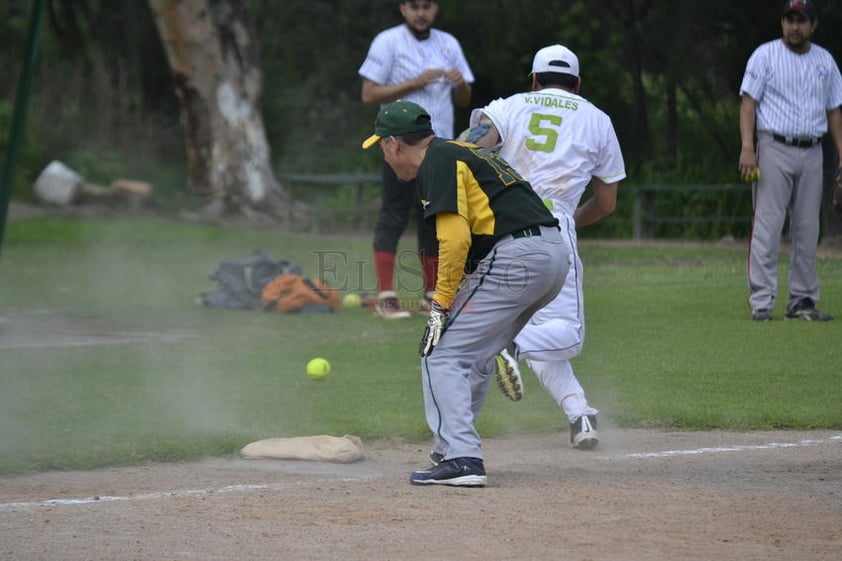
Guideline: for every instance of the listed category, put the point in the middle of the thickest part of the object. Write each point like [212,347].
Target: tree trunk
[213,54]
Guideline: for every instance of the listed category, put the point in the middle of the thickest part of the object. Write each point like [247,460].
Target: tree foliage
[667,73]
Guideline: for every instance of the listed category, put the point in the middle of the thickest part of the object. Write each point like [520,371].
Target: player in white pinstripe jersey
[417,63]
[791,93]
[561,143]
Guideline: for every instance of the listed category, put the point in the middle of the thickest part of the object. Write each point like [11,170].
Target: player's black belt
[797,142]
[527,232]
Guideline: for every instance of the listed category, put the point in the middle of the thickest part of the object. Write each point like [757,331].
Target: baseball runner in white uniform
[561,143]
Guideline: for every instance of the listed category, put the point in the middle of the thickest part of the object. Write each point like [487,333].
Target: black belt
[527,232]
[797,142]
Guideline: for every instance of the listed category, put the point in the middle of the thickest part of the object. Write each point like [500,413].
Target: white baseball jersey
[558,140]
[395,56]
[794,91]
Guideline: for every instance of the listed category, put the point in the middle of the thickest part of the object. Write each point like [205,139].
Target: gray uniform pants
[516,279]
[790,180]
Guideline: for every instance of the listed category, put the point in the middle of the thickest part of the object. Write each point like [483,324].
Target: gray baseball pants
[790,180]
[517,278]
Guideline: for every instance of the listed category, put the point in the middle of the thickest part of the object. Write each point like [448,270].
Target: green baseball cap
[398,118]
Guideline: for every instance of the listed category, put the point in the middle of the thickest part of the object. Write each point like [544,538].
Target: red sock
[384,268]
[430,265]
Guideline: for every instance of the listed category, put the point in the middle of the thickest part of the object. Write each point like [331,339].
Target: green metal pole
[19,113]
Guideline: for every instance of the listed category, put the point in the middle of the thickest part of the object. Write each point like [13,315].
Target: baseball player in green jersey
[500,253]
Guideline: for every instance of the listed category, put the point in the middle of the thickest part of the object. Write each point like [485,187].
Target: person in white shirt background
[413,62]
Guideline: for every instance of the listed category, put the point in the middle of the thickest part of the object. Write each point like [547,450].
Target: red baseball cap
[804,7]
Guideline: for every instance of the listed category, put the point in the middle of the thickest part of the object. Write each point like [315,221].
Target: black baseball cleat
[436,458]
[459,472]
[806,310]
[583,435]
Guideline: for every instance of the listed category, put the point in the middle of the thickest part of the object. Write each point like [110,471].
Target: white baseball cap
[556,58]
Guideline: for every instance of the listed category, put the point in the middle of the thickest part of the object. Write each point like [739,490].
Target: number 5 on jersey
[538,128]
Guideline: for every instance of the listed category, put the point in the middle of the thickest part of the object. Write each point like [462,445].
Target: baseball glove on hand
[836,194]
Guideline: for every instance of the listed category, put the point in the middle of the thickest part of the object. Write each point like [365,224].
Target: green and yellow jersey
[475,198]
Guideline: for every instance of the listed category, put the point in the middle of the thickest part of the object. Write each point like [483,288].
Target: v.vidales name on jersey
[551,101]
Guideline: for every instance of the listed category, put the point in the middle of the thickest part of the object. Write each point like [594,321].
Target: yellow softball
[318,369]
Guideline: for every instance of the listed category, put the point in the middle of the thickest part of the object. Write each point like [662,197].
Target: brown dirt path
[641,495]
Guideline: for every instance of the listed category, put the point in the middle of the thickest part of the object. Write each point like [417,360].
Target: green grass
[669,345]
[672,345]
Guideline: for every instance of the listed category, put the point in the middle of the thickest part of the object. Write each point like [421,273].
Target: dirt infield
[641,495]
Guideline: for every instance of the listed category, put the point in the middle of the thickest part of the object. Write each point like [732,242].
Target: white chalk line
[100,499]
[278,486]
[737,448]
